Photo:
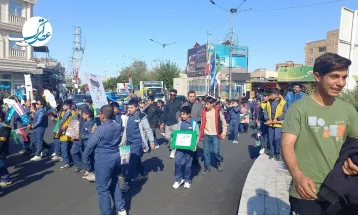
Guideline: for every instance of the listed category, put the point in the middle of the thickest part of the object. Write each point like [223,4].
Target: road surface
[42,188]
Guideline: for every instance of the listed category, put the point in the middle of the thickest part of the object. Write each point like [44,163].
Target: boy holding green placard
[184,158]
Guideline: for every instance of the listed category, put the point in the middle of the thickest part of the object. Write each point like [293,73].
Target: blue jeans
[211,145]
[183,162]
[274,139]
[135,166]
[57,144]
[76,153]
[234,129]
[107,186]
[38,142]
[155,137]
[263,137]
[4,173]
[65,151]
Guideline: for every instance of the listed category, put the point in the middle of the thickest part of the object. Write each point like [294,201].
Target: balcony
[15,53]
[17,20]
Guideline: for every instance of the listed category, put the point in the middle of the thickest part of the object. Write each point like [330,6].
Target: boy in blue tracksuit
[77,147]
[39,126]
[104,142]
[184,158]
[87,161]
[136,134]
[234,115]
[5,131]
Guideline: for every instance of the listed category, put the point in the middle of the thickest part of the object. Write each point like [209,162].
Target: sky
[115,32]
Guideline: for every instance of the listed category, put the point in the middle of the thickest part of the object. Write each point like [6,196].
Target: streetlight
[163,45]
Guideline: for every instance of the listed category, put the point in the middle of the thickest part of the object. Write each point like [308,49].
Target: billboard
[348,42]
[196,64]
[239,57]
[296,74]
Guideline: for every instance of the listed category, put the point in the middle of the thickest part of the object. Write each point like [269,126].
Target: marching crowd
[311,130]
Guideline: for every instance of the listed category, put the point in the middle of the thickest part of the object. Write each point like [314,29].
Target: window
[311,60]
[322,49]
[15,8]
[12,44]
[311,50]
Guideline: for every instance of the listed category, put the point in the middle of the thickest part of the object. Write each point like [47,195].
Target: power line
[295,7]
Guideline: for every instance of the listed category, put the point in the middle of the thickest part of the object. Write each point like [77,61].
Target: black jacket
[171,112]
[338,186]
[5,132]
[154,115]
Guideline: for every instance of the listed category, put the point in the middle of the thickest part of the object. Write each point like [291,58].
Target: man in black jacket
[154,116]
[5,131]
[171,117]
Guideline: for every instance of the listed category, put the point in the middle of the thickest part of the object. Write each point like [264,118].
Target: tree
[166,72]
[137,70]
[351,96]
[83,87]
[111,84]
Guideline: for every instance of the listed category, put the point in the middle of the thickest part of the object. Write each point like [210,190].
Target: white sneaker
[5,183]
[187,185]
[172,154]
[157,146]
[56,158]
[36,158]
[235,142]
[176,185]
[53,154]
[86,175]
[262,151]
[91,177]
[122,212]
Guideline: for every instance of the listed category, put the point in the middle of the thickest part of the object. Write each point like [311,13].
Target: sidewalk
[266,189]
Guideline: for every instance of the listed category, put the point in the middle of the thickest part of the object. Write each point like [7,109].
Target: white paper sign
[183,140]
[28,87]
[96,90]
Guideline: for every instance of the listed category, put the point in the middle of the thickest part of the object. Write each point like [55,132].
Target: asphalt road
[42,188]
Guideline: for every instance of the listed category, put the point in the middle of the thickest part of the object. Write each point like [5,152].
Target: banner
[73,129]
[295,74]
[196,65]
[96,90]
[28,88]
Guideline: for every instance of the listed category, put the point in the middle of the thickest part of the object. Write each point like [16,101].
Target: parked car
[9,101]
[79,99]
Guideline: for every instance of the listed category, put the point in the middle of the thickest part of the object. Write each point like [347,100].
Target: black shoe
[77,169]
[206,171]
[25,152]
[220,166]
[277,157]
[271,157]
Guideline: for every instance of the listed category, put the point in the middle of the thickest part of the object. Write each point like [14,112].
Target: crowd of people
[307,131]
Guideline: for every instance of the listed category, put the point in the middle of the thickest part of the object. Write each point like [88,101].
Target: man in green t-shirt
[314,131]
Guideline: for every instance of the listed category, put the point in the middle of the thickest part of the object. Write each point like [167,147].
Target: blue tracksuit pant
[183,163]
[107,186]
[274,139]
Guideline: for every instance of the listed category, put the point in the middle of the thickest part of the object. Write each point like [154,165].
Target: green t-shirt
[321,132]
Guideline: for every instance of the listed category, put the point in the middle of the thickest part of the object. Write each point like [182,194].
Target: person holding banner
[184,158]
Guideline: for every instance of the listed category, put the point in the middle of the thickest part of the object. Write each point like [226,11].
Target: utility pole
[78,51]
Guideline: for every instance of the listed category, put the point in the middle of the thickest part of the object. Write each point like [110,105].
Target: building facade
[287,64]
[317,48]
[15,61]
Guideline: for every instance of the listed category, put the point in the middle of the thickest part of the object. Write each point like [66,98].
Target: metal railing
[17,53]
[17,19]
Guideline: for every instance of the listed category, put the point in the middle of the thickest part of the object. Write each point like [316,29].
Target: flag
[207,68]
[213,70]
[9,115]
[19,135]
[130,81]
[126,88]
[19,110]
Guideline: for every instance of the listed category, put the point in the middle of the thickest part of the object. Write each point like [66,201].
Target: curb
[266,189]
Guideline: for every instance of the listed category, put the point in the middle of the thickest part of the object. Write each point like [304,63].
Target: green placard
[296,74]
[184,140]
